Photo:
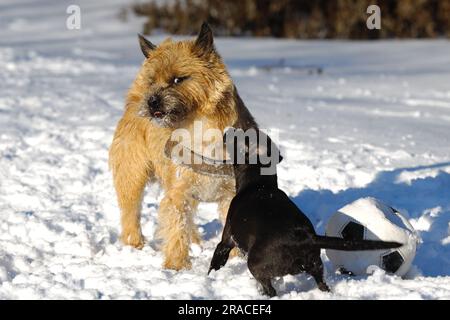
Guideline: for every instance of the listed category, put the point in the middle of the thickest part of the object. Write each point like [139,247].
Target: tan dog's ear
[197,162]
[205,40]
[146,46]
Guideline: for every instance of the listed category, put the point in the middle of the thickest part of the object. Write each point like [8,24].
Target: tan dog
[179,83]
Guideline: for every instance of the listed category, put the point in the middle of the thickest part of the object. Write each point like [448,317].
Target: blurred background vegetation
[303,19]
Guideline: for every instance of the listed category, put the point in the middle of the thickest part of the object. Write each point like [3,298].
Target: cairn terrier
[178,84]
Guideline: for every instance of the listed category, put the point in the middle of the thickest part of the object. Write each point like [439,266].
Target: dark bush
[299,18]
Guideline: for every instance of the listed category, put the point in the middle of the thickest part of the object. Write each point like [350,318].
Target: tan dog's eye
[178,80]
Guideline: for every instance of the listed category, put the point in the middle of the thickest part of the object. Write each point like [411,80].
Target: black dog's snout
[154,102]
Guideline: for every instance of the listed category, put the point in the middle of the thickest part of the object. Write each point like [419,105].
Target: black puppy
[264,223]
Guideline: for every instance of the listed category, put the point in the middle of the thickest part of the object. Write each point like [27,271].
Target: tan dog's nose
[154,102]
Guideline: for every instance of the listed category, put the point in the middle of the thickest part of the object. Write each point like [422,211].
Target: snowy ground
[375,122]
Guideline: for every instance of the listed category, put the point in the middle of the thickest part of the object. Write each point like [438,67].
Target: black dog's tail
[335,243]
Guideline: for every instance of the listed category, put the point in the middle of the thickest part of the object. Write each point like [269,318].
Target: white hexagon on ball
[371,219]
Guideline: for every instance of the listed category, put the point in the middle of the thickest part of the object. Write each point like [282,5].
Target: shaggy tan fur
[137,150]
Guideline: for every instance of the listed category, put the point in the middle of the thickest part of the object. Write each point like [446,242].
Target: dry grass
[300,18]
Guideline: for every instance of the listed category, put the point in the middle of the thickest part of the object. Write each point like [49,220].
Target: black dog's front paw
[214,265]
[211,268]
[220,257]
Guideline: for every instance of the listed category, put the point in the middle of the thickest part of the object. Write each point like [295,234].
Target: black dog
[264,223]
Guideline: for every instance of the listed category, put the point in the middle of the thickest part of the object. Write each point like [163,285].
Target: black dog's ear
[269,149]
[280,158]
[146,46]
[205,40]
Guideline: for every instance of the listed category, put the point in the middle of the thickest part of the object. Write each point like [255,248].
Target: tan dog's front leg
[195,235]
[130,198]
[131,170]
[176,226]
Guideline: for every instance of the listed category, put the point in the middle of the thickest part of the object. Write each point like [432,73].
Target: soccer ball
[370,219]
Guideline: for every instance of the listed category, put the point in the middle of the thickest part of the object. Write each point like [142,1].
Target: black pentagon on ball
[392,261]
[353,231]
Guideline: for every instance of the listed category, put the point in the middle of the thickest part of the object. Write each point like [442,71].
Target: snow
[375,123]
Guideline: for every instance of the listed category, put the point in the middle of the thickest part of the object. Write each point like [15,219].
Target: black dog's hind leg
[316,271]
[261,267]
[268,289]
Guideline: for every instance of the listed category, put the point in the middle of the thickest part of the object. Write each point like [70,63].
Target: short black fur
[276,235]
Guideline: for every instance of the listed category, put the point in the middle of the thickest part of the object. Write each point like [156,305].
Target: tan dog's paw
[175,263]
[134,239]
[235,252]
